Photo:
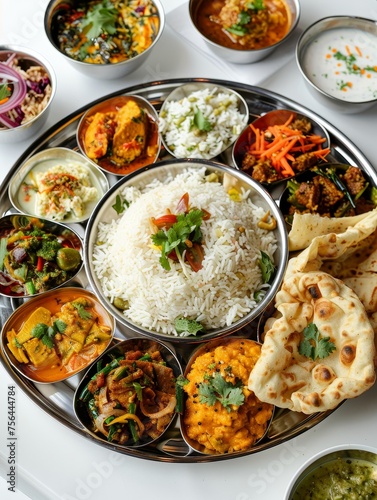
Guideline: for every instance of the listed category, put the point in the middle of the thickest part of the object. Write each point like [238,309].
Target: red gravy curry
[233,24]
[120,136]
[59,334]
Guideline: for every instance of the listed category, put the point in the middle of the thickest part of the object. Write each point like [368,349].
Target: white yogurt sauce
[343,63]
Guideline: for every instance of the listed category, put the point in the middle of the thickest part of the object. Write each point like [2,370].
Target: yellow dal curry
[224,427]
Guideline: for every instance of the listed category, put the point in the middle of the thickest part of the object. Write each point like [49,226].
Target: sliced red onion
[10,75]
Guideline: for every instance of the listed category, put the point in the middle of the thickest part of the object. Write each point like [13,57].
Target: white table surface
[53,462]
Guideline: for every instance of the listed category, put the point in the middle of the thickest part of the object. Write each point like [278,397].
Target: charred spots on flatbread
[323,374]
[314,292]
[347,354]
[324,309]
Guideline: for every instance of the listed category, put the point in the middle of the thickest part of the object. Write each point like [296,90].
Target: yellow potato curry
[221,414]
[51,345]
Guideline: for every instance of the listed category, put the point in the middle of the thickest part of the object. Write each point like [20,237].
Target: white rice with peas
[177,123]
[127,263]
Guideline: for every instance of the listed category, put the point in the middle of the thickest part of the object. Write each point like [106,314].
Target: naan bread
[310,294]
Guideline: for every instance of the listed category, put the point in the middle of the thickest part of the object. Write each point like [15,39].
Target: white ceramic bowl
[244,56]
[101,71]
[336,78]
[346,451]
[27,58]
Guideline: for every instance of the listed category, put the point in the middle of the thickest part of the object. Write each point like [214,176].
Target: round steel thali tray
[57,399]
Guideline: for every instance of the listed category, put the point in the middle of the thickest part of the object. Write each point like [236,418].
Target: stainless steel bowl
[118,351]
[27,58]
[101,71]
[107,163]
[77,358]
[304,60]
[244,56]
[340,454]
[185,92]
[105,213]
[26,200]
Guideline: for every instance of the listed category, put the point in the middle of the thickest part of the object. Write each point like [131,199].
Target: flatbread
[343,309]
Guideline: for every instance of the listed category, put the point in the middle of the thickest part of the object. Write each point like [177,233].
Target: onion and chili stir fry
[36,256]
[133,398]
[106,31]
[332,191]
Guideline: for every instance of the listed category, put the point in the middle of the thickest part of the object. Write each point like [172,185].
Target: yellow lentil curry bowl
[221,414]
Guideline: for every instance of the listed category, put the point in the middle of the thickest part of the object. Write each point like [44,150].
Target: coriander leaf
[187,228]
[83,313]
[190,326]
[267,267]
[313,345]
[100,19]
[206,394]
[45,333]
[243,17]
[39,330]
[201,122]
[4,91]
[119,205]
[256,5]
[139,390]
[237,29]
[218,389]
[60,326]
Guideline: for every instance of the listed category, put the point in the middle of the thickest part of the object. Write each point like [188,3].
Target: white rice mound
[185,140]
[127,263]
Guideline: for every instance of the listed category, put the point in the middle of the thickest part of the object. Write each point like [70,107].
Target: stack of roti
[331,283]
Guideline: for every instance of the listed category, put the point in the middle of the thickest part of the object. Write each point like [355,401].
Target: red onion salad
[23,93]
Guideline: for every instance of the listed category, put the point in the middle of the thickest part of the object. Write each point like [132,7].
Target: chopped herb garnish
[47,333]
[190,326]
[83,313]
[120,205]
[314,346]
[201,122]
[4,92]
[216,388]
[100,19]
[187,228]
[267,267]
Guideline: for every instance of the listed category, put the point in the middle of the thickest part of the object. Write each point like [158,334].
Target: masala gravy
[208,10]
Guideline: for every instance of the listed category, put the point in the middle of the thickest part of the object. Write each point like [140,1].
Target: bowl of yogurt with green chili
[344,472]
[337,57]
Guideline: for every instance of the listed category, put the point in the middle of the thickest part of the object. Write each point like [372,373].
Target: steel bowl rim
[322,454]
[198,351]
[35,159]
[82,64]
[217,333]
[220,88]
[306,38]
[151,110]
[176,367]
[264,50]
[37,298]
[39,58]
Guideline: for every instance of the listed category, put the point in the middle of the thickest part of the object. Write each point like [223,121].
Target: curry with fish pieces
[121,137]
